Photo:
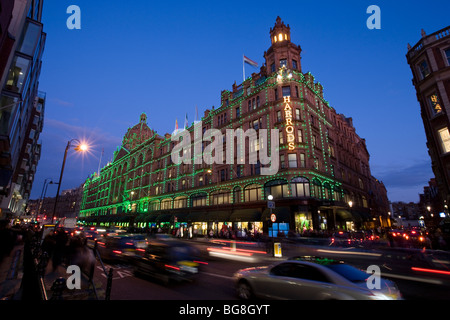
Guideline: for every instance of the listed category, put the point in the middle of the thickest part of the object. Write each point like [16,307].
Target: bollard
[109,285]
[58,287]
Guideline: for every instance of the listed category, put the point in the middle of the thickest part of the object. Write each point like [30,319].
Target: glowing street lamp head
[82,147]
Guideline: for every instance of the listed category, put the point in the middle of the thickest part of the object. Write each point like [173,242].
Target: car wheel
[244,290]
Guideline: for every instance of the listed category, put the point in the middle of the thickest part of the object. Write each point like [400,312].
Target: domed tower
[137,134]
[282,52]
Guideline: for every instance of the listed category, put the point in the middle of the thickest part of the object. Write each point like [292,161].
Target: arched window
[220,197]
[327,191]
[300,187]
[277,188]
[252,193]
[180,202]
[154,205]
[199,199]
[166,204]
[337,194]
[237,194]
[317,190]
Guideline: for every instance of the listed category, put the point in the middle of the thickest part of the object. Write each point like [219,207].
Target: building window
[199,200]
[434,104]
[279,119]
[257,102]
[252,193]
[445,139]
[180,202]
[300,187]
[302,160]
[287,91]
[237,195]
[281,137]
[221,197]
[17,74]
[424,70]
[283,63]
[297,114]
[272,67]
[317,189]
[447,55]
[276,94]
[283,165]
[294,64]
[292,158]
[238,112]
[300,135]
[166,204]
[277,188]
[249,105]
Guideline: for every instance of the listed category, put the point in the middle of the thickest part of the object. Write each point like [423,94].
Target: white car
[311,278]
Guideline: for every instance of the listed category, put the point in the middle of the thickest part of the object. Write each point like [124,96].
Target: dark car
[341,239]
[168,260]
[122,247]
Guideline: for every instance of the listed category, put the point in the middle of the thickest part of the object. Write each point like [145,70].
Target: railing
[438,35]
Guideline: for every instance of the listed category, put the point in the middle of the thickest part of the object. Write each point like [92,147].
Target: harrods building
[323,182]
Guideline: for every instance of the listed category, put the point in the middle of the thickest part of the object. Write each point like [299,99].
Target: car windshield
[350,273]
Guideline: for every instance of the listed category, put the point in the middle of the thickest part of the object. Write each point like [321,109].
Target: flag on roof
[250,62]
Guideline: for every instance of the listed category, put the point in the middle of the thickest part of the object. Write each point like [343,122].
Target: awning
[349,215]
[182,216]
[220,216]
[197,216]
[246,215]
[283,214]
[151,217]
[141,217]
[209,216]
[164,217]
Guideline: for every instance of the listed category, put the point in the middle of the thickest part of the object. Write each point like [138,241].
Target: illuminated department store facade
[323,182]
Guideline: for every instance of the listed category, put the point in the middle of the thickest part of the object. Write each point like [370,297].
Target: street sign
[273,217]
[271,204]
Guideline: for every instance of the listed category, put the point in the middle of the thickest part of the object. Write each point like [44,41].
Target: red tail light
[117,251]
[168,266]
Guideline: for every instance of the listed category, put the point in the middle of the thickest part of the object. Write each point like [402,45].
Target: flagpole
[243,67]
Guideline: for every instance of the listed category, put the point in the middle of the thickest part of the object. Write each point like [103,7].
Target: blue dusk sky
[165,58]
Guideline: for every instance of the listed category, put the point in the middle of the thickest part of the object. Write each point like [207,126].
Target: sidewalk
[85,293]
[11,273]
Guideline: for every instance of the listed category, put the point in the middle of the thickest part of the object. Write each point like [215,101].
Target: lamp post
[79,147]
[43,193]
[350,203]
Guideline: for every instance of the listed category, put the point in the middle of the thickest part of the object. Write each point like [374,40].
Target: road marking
[353,253]
[390,275]
[217,275]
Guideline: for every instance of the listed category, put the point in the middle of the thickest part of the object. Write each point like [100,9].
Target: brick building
[429,60]
[323,181]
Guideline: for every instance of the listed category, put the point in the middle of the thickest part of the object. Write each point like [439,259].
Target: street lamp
[43,193]
[79,147]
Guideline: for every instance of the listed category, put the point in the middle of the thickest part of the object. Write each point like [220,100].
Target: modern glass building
[21,105]
[323,181]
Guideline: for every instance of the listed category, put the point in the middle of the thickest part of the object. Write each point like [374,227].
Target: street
[215,282]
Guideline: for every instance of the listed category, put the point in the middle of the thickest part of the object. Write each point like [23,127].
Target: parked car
[310,278]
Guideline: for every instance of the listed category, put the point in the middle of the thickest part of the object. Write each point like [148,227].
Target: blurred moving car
[310,278]
[167,260]
[120,247]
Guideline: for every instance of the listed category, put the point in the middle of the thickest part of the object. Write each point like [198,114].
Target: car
[310,278]
[168,260]
[341,239]
[120,247]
